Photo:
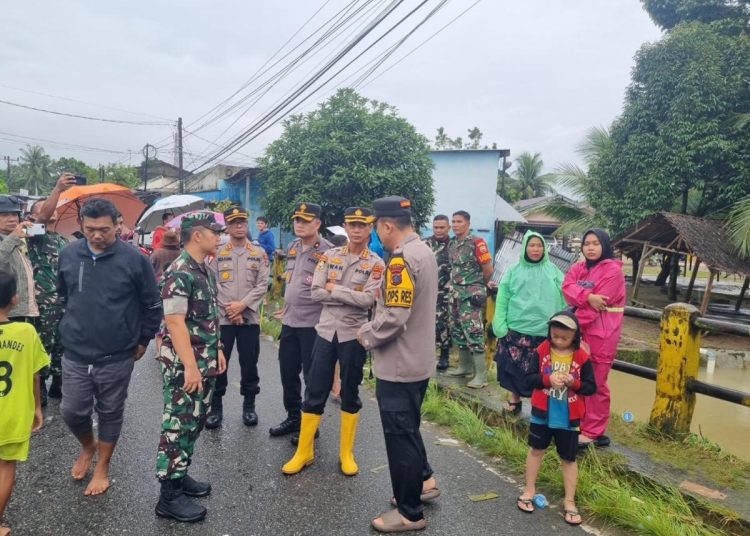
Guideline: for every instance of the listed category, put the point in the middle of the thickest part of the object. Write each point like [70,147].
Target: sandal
[573,514]
[513,408]
[392,522]
[427,496]
[526,503]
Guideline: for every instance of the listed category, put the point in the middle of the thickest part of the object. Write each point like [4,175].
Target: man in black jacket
[112,311]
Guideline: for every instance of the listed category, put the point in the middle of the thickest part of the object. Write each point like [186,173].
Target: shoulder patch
[481,251]
[399,287]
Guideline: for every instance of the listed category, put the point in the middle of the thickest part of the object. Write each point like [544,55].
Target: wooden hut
[678,233]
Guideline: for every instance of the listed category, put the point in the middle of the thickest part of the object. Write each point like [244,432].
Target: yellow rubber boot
[346,449]
[305,448]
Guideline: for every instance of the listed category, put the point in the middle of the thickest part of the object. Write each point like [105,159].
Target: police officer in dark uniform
[300,313]
[400,337]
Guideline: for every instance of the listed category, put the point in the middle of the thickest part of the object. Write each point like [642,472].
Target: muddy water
[722,422]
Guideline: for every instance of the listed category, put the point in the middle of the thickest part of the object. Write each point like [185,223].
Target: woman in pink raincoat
[595,287]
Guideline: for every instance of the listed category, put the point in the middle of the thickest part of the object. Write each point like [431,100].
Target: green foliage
[3,187]
[669,13]
[349,151]
[36,169]
[738,226]
[674,138]
[77,167]
[528,177]
[121,174]
[443,142]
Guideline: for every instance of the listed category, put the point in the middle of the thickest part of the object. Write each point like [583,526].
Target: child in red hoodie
[560,375]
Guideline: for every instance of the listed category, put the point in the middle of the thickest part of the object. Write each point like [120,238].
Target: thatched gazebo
[688,235]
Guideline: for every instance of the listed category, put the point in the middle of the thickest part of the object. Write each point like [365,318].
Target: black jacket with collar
[112,302]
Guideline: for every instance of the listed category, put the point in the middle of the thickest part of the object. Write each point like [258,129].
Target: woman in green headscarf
[529,294]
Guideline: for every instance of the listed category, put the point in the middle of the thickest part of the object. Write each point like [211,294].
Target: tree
[77,167]
[669,13]
[675,146]
[442,141]
[36,166]
[528,176]
[475,135]
[121,174]
[738,227]
[349,151]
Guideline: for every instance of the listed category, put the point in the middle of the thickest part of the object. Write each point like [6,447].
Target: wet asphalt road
[250,495]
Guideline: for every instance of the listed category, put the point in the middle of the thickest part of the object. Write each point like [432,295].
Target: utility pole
[149,151]
[8,160]
[179,155]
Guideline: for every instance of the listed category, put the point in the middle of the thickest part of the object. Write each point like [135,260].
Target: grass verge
[606,489]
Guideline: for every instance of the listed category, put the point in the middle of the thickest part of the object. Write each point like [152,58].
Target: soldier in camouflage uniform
[471,270]
[190,359]
[44,254]
[438,242]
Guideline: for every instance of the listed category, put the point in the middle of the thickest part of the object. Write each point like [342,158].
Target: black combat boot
[443,360]
[287,426]
[55,388]
[249,417]
[192,488]
[217,413]
[43,391]
[173,503]
[294,440]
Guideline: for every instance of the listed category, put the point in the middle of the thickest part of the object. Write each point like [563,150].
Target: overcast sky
[533,75]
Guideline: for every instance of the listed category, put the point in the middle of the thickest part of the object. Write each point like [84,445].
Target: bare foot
[4,531]
[429,484]
[100,481]
[82,464]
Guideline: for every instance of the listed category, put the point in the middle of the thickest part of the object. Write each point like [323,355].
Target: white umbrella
[174,204]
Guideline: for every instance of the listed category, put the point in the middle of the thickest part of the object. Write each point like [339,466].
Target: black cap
[235,213]
[10,203]
[201,219]
[306,211]
[358,215]
[392,207]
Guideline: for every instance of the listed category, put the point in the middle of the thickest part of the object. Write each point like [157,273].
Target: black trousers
[351,357]
[400,413]
[248,350]
[295,356]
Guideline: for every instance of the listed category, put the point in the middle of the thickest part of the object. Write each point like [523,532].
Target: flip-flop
[392,522]
[427,496]
[602,441]
[572,513]
[525,502]
[516,407]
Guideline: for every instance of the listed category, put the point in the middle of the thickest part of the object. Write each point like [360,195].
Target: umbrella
[174,204]
[72,199]
[175,222]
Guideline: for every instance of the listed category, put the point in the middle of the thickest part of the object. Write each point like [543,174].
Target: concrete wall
[467,180]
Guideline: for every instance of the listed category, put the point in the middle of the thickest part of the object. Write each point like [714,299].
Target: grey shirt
[402,332]
[241,275]
[357,280]
[300,311]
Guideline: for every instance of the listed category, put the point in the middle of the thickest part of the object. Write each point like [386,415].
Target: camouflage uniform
[44,254]
[187,281]
[469,293]
[443,311]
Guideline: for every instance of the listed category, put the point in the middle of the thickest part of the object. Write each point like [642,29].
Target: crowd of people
[199,296]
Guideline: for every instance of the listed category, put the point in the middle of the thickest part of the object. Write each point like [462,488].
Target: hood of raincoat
[529,294]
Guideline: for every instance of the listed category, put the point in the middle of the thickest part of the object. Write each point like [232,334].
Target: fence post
[679,357]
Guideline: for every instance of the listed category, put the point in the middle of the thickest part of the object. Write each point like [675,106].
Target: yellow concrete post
[679,357]
[277,272]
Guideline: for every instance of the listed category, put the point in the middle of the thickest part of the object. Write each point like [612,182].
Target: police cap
[306,211]
[392,207]
[235,213]
[358,215]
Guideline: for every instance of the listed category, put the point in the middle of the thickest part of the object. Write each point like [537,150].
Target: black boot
[192,488]
[287,426]
[249,417]
[294,440]
[43,391]
[173,503]
[443,360]
[217,413]
[55,388]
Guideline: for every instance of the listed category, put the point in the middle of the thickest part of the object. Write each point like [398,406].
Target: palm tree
[738,227]
[529,178]
[37,164]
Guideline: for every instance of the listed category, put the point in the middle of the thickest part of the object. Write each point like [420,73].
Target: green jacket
[529,294]
[13,259]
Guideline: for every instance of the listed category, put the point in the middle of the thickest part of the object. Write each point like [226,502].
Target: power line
[32,92]
[9,136]
[121,121]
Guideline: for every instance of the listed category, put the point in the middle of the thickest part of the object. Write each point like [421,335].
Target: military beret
[201,219]
[306,211]
[358,215]
[235,213]
[392,207]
